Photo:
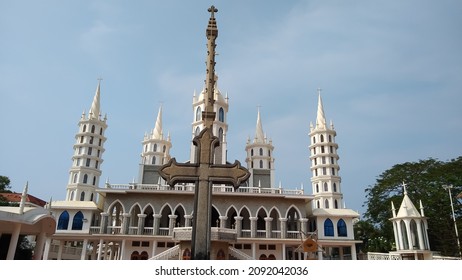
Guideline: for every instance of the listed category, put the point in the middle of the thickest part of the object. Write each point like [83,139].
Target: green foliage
[424,180]
[372,238]
[4,184]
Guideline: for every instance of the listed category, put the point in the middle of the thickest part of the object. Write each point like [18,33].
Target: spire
[95,107]
[320,119]
[23,198]
[208,115]
[158,127]
[259,135]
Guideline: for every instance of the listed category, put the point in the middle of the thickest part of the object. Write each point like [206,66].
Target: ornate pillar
[304,224]
[223,221]
[187,220]
[38,251]
[125,223]
[141,218]
[156,223]
[13,241]
[268,228]
[253,227]
[283,222]
[104,222]
[238,225]
[84,249]
[171,224]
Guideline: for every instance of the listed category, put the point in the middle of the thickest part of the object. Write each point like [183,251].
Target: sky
[390,74]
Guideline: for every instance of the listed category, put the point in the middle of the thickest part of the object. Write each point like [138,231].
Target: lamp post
[448,188]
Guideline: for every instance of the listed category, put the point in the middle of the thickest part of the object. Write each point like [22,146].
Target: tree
[424,180]
[4,187]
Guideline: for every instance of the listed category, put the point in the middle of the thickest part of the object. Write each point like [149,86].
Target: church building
[149,219]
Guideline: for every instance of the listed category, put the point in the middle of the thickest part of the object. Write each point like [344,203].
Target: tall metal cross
[204,173]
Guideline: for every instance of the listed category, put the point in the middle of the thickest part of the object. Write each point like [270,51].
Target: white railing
[216,189]
[94,230]
[168,254]
[292,234]
[148,231]
[261,233]
[238,254]
[114,229]
[245,233]
[383,256]
[133,230]
[163,231]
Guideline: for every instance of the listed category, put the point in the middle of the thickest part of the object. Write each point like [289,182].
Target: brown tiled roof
[16,197]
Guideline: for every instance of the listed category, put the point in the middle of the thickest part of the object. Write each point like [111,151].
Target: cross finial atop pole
[319,90]
[212,10]
[405,188]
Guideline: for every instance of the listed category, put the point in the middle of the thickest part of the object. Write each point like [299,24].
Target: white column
[122,250]
[141,218]
[283,222]
[238,227]
[46,252]
[13,241]
[353,252]
[187,220]
[171,224]
[253,226]
[419,234]
[39,244]
[283,251]
[154,248]
[60,250]
[100,249]
[223,221]
[254,251]
[84,249]
[268,229]
[320,249]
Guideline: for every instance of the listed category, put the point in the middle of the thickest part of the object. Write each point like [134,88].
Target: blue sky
[390,73]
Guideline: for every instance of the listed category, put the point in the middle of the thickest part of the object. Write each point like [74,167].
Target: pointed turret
[157,134]
[156,152]
[88,150]
[324,162]
[320,117]
[259,135]
[410,226]
[260,160]
[94,112]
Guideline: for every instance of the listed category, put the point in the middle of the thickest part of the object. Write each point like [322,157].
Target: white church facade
[148,219]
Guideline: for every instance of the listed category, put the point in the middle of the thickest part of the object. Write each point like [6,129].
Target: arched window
[63,221]
[251,153]
[135,256]
[261,151]
[261,163]
[74,180]
[328,228]
[221,115]
[91,140]
[317,188]
[404,235]
[82,196]
[92,129]
[317,204]
[262,257]
[164,148]
[326,204]
[314,140]
[330,138]
[198,113]
[144,255]
[186,254]
[155,147]
[197,132]
[85,178]
[77,222]
[153,160]
[326,188]
[94,178]
[333,171]
[72,195]
[84,128]
[220,134]
[322,138]
[341,228]
[336,204]
[101,131]
[91,197]
[335,187]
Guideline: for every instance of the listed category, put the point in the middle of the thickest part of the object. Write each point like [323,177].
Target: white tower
[325,178]
[156,152]
[220,126]
[410,229]
[260,160]
[85,172]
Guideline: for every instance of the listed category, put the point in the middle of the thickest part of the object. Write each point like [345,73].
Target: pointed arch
[116,210]
[261,215]
[77,221]
[134,212]
[231,213]
[293,216]
[82,196]
[414,234]
[63,221]
[221,115]
[198,113]
[166,210]
[245,214]
[180,213]
[215,217]
[342,228]
[274,213]
[149,212]
[328,227]
[404,235]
